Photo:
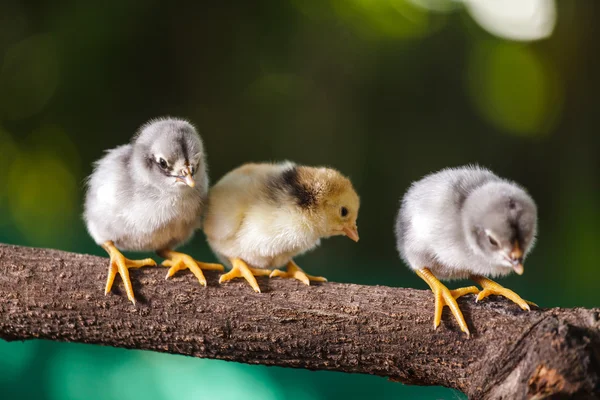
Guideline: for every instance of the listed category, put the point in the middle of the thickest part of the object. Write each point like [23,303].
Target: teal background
[384,91]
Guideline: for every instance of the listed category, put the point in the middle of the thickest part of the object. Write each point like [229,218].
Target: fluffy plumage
[140,206]
[466,223]
[447,219]
[266,214]
[148,195]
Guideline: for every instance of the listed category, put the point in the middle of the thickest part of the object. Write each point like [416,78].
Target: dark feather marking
[515,212]
[516,234]
[289,183]
[184,149]
[150,162]
[127,159]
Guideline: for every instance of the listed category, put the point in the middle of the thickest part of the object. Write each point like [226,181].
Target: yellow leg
[242,270]
[446,297]
[120,264]
[490,287]
[179,261]
[295,272]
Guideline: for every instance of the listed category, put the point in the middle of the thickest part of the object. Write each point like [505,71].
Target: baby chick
[466,223]
[148,196]
[260,216]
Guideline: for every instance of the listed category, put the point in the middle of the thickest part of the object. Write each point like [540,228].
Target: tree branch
[339,327]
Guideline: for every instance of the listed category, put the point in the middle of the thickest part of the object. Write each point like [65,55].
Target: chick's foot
[120,264]
[178,261]
[242,270]
[293,271]
[446,297]
[490,287]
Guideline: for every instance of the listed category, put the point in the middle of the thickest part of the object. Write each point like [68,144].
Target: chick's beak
[518,267]
[516,257]
[351,232]
[187,177]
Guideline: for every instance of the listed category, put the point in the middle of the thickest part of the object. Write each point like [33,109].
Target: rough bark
[545,353]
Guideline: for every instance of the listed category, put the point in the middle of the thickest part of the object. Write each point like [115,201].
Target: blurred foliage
[386,91]
[513,88]
[29,77]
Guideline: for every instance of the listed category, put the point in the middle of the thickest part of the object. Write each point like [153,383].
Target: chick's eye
[343,211]
[493,242]
[163,164]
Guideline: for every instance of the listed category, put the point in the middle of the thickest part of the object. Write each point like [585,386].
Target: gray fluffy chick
[148,196]
[466,223]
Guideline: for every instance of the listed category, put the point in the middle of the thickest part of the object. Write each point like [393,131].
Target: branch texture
[545,353]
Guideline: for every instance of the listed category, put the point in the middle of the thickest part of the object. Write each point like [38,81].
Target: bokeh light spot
[524,20]
[43,197]
[397,19]
[581,225]
[443,6]
[513,88]
[52,139]
[28,77]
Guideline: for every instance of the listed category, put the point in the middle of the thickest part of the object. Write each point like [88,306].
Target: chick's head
[337,205]
[172,153]
[501,223]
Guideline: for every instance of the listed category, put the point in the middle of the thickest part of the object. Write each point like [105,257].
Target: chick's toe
[490,287]
[120,264]
[446,297]
[293,271]
[177,261]
[241,270]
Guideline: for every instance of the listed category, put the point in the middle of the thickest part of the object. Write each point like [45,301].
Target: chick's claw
[490,287]
[120,264]
[446,297]
[456,293]
[295,272]
[241,270]
[178,261]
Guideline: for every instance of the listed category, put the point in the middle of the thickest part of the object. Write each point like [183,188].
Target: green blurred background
[386,91]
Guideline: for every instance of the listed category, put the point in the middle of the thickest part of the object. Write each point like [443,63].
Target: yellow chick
[260,216]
